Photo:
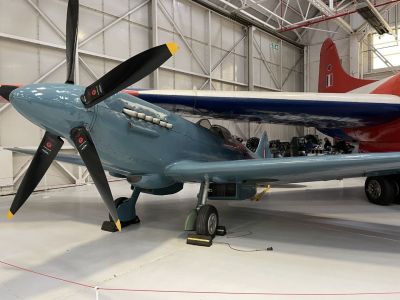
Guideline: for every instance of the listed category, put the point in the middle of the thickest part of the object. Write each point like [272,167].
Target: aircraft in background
[346,108]
[156,150]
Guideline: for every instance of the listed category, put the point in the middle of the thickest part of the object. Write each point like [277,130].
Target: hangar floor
[326,239]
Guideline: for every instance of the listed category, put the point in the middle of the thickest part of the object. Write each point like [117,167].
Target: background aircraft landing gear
[126,209]
[382,190]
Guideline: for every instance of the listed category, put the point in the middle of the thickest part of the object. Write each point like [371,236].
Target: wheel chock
[199,240]
[221,231]
[109,226]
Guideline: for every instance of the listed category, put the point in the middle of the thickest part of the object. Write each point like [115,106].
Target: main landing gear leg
[126,208]
[190,223]
[203,219]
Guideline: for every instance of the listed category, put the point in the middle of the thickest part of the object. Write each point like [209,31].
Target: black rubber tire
[202,222]
[396,183]
[380,190]
[117,202]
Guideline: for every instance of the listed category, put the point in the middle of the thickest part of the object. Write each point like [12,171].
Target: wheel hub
[212,223]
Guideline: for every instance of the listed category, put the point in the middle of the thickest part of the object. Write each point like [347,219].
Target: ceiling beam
[322,7]
[379,16]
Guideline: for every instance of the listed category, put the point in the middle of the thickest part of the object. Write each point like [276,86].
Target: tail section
[332,77]
[263,150]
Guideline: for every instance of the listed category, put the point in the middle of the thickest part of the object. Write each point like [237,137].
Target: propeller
[42,160]
[71,39]
[5,91]
[125,74]
[87,150]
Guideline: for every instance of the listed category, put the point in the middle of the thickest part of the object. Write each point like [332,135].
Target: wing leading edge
[334,110]
[287,170]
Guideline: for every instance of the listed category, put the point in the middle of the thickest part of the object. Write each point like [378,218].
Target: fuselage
[130,134]
[384,137]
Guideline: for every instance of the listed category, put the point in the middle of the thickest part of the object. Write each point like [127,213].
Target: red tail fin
[332,77]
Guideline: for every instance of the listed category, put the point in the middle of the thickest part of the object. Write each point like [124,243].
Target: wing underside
[305,109]
[287,170]
[71,158]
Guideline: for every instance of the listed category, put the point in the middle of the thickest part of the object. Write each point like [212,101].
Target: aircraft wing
[287,170]
[70,158]
[321,110]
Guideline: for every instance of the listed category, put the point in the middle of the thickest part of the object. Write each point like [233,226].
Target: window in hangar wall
[389,47]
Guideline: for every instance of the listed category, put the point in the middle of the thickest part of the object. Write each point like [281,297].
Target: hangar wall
[215,53]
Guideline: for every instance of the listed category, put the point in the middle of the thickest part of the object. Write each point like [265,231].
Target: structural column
[354,56]
[154,33]
[250,56]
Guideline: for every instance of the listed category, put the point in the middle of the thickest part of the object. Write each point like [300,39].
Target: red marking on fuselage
[389,87]
[383,133]
[373,147]
[132,93]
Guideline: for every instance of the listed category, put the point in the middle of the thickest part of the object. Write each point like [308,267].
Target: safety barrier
[97,289]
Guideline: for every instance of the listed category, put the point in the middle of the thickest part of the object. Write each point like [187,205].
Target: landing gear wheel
[207,220]
[395,179]
[380,190]
[118,202]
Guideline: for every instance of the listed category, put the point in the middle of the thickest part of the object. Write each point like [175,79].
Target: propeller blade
[88,152]
[71,38]
[44,156]
[5,91]
[127,73]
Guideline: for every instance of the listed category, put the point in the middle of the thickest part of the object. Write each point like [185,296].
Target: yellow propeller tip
[118,224]
[173,47]
[10,215]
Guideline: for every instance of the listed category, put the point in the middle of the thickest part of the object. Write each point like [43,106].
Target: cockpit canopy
[218,130]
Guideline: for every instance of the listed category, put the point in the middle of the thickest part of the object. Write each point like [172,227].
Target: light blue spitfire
[157,151]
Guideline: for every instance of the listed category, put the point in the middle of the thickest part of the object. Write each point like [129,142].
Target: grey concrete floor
[326,239]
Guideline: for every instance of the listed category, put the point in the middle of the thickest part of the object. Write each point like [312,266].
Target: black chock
[109,226]
[221,231]
[199,240]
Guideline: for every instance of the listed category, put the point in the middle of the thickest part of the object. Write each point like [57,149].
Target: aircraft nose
[29,102]
[55,108]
